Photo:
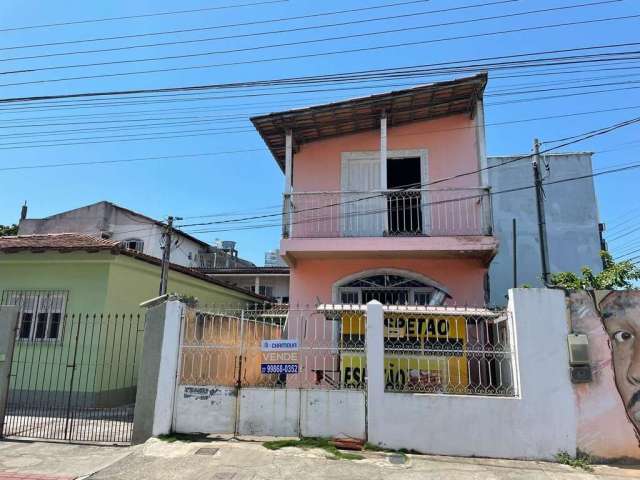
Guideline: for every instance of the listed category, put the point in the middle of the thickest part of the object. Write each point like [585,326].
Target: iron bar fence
[78,386]
[413,212]
[444,350]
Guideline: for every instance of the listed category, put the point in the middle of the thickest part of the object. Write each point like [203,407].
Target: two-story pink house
[377,204]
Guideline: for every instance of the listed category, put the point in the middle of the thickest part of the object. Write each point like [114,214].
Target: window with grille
[133,244]
[390,290]
[264,290]
[41,312]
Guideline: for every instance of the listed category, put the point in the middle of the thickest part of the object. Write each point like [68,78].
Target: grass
[579,461]
[312,442]
[179,437]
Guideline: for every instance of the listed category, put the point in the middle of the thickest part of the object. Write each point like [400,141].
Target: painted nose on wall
[633,372]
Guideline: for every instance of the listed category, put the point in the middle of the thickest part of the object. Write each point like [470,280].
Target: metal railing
[80,385]
[466,353]
[223,347]
[443,350]
[432,212]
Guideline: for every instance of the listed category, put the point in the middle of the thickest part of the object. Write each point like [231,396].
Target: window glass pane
[41,325]
[349,297]
[54,325]
[25,325]
[421,298]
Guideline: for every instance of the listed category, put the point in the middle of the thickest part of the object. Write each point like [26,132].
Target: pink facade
[451,143]
[313,279]
[367,206]
[459,263]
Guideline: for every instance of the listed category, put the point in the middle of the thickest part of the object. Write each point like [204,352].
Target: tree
[8,230]
[614,276]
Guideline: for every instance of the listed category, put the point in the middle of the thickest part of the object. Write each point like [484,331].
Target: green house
[80,324]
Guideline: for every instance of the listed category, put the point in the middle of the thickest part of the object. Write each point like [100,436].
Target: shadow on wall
[609,406]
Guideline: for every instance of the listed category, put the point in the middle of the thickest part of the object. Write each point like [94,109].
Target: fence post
[374,345]
[153,414]
[8,325]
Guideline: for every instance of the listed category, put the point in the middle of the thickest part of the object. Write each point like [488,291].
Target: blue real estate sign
[279,356]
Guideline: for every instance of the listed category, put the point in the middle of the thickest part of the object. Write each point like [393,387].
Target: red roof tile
[56,241]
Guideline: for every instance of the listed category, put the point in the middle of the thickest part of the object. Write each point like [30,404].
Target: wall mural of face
[620,313]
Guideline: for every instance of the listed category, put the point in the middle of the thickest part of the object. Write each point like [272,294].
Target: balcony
[388,213]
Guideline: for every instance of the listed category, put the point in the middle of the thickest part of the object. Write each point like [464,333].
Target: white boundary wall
[537,424]
[270,412]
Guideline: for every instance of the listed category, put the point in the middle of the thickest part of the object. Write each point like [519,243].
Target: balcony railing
[442,212]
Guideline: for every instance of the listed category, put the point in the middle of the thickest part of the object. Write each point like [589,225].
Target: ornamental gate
[73,376]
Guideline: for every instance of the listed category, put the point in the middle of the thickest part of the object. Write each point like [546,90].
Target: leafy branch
[614,276]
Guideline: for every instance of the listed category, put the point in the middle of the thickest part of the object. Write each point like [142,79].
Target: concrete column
[8,325]
[375,370]
[157,378]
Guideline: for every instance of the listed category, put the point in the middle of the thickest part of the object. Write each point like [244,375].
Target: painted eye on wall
[622,336]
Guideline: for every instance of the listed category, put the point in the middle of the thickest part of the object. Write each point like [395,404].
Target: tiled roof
[425,102]
[69,242]
[246,271]
[56,241]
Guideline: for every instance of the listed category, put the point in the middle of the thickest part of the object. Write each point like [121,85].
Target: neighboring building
[91,275]
[76,290]
[353,232]
[134,231]
[571,214]
[221,255]
[272,258]
[268,281]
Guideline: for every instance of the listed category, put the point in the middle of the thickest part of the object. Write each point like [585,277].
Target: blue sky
[251,182]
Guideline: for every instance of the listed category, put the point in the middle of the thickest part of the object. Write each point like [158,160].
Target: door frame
[422,153]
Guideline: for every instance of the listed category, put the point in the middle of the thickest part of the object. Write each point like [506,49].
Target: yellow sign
[410,373]
[408,326]
[430,353]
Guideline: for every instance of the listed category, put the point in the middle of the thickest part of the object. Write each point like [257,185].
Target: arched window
[390,289]
[133,244]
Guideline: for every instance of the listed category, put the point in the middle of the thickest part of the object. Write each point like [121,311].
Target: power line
[129,17]
[85,163]
[128,160]
[188,133]
[329,53]
[271,32]
[471,197]
[305,42]
[229,25]
[238,106]
[586,135]
[450,66]
[168,121]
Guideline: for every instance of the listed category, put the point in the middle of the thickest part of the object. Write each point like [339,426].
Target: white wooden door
[364,207]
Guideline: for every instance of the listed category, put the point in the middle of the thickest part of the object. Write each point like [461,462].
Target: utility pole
[542,226]
[166,254]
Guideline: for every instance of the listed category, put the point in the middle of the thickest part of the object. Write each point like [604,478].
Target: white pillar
[257,284]
[383,165]
[159,370]
[288,184]
[374,344]
[288,162]
[481,143]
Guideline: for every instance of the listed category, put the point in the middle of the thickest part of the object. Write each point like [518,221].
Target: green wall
[104,294]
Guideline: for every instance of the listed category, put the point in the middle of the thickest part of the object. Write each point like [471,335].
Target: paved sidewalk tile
[27,476]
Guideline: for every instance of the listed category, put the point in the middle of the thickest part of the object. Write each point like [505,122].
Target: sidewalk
[240,460]
[58,460]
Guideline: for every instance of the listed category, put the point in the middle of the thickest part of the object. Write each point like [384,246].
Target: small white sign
[280,346]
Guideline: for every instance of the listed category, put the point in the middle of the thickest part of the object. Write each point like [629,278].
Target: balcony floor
[471,246]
